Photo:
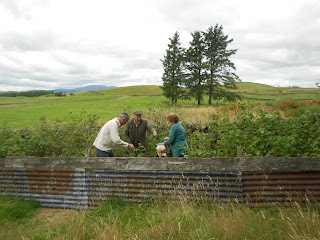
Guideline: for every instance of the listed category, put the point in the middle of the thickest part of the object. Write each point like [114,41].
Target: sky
[50,44]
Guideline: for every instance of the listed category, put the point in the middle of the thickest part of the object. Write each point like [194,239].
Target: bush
[268,136]
[264,135]
[68,137]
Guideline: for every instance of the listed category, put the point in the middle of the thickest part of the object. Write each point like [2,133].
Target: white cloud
[56,43]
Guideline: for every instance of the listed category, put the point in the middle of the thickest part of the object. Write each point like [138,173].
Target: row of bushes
[265,135]
[64,137]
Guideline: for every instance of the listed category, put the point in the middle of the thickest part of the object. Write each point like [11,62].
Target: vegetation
[204,68]
[219,70]
[173,70]
[286,129]
[26,93]
[51,126]
[165,219]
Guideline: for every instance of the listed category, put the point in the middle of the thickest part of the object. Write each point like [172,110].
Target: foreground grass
[164,219]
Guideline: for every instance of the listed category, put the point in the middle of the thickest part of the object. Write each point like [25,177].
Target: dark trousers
[101,153]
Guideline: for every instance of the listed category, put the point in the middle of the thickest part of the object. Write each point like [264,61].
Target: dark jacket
[135,134]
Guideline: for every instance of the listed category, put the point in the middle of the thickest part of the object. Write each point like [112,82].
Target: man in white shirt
[108,137]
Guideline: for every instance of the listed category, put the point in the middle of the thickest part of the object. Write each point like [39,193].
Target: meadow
[285,124]
[21,112]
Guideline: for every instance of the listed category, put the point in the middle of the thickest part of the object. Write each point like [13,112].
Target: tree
[194,61]
[219,75]
[173,70]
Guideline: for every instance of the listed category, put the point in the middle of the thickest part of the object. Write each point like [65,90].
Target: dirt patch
[49,216]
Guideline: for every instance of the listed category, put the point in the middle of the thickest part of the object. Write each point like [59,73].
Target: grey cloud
[39,41]
[20,8]
[16,8]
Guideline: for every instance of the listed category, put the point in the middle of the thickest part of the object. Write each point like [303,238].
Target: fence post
[239,151]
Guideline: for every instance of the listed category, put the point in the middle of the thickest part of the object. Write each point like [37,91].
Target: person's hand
[166,138]
[131,146]
[155,134]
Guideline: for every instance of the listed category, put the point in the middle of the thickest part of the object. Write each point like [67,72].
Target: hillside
[141,90]
[258,91]
[83,89]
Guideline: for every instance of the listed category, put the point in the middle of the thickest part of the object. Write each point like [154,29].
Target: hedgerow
[263,135]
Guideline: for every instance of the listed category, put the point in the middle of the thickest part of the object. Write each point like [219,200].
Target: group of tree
[35,93]
[202,68]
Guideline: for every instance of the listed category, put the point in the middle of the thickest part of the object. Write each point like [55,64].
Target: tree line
[202,68]
[36,93]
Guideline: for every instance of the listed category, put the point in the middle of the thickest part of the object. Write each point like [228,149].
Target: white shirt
[108,136]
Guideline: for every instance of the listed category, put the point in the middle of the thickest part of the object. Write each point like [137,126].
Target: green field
[20,112]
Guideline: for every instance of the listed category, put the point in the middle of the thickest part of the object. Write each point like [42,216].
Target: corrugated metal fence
[80,183]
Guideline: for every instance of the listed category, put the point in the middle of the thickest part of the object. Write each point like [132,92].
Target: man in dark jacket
[136,129]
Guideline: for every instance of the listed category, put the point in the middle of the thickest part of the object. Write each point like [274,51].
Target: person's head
[173,118]
[161,151]
[137,115]
[123,118]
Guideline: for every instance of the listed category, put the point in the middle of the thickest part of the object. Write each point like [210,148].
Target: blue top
[177,140]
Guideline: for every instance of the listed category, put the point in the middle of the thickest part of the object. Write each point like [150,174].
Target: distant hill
[139,90]
[83,89]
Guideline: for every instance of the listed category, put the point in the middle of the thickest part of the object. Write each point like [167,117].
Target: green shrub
[268,136]
[16,209]
[264,135]
[60,138]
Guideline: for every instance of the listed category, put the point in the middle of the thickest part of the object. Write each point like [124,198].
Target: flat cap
[137,112]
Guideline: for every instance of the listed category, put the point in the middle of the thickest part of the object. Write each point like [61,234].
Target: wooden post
[239,151]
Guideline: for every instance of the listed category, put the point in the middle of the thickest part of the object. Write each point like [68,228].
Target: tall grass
[184,219]
[15,215]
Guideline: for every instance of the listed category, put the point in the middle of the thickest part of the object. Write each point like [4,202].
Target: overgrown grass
[16,209]
[16,216]
[182,219]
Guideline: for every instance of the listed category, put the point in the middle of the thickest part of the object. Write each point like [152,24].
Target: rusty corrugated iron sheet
[281,186]
[140,185]
[70,188]
[52,187]
[83,182]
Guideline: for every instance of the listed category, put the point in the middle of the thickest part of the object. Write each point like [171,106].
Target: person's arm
[172,136]
[115,138]
[151,129]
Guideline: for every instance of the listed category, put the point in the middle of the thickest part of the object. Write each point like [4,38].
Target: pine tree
[219,74]
[173,70]
[194,61]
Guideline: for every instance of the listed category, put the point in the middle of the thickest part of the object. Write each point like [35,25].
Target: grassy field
[20,112]
[159,219]
[256,91]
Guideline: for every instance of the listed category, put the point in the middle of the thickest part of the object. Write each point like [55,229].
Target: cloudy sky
[48,44]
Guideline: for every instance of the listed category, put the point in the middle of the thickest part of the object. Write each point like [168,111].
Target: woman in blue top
[177,137]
